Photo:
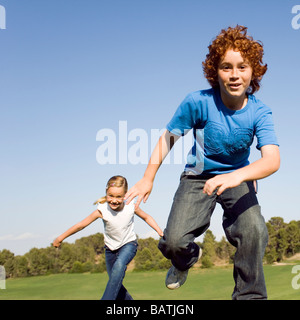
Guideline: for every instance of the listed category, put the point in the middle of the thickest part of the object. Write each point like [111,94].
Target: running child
[119,236]
[224,120]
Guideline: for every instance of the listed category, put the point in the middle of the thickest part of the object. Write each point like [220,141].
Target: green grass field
[202,284]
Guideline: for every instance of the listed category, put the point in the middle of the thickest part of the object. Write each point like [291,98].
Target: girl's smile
[115,198]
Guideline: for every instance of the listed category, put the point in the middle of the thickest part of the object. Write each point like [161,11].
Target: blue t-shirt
[222,137]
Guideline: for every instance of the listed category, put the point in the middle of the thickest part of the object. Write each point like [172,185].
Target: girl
[228,116]
[119,238]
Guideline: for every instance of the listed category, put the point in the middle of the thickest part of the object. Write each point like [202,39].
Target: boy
[217,168]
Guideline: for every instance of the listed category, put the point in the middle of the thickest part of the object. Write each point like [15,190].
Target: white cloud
[22,236]
[7,237]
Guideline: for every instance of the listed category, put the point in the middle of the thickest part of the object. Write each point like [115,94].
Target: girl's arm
[77,227]
[143,188]
[262,168]
[148,219]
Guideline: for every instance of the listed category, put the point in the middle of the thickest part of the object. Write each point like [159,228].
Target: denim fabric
[243,224]
[116,265]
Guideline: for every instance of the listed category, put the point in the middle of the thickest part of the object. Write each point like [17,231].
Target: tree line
[87,253]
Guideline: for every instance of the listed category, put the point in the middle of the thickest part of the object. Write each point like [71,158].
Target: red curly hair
[236,39]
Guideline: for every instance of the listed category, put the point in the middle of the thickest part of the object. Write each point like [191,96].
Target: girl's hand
[141,189]
[223,182]
[56,243]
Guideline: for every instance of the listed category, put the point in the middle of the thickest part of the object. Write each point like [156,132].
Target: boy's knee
[257,222]
[256,229]
[260,232]
[249,226]
[171,244]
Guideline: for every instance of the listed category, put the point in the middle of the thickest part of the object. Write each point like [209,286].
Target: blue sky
[71,68]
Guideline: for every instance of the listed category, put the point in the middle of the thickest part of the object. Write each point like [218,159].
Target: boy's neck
[234,103]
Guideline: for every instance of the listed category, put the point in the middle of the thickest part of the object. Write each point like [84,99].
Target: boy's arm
[143,188]
[77,227]
[262,168]
[148,219]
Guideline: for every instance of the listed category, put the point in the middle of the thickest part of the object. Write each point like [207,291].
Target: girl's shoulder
[102,207]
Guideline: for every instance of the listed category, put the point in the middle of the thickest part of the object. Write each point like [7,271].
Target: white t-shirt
[118,225]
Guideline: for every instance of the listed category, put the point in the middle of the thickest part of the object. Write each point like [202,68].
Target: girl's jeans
[116,265]
[243,224]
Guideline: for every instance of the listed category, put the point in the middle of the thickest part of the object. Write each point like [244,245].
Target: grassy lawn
[202,284]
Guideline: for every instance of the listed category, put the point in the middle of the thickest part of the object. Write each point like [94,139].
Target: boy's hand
[223,182]
[141,189]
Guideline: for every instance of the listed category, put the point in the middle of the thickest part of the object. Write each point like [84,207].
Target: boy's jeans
[116,265]
[243,224]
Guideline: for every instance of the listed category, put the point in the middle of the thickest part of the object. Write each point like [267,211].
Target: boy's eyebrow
[229,63]
[223,64]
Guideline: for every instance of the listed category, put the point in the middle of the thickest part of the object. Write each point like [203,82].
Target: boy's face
[235,75]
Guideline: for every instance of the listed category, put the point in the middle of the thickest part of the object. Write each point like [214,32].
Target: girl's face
[235,75]
[115,198]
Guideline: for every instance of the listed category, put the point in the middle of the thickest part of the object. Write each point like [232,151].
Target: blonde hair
[115,181]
